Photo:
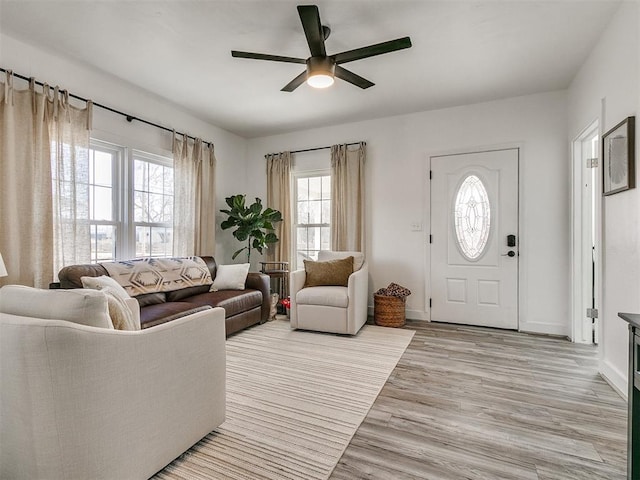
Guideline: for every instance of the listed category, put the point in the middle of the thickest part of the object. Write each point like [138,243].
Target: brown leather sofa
[243,308]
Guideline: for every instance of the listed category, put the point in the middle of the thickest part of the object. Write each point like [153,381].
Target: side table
[279,277]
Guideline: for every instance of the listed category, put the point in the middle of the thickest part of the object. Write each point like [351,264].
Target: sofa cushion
[233,301]
[327,296]
[211,264]
[151,299]
[241,321]
[178,295]
[159,313]
[176,316]
[84,306]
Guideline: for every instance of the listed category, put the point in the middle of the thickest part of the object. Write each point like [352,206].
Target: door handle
[510,253]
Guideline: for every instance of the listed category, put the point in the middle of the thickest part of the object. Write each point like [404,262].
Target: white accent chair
[80,401]
[331,309]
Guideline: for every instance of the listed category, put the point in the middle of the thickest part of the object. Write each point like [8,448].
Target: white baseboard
[544,328]
[417,315]
[532,327]
[614,377]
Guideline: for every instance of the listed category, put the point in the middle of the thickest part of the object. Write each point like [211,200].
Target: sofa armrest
[71,276]
[87,402]
[260,281]
[358,287]
[296,282]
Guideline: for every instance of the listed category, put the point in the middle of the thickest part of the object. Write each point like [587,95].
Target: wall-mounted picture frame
[618,152]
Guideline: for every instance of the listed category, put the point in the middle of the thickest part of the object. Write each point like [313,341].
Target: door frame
[577,225]
[522,260]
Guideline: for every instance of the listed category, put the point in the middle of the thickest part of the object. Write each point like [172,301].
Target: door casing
[578,274]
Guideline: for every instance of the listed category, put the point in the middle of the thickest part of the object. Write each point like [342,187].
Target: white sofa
[84,402]
[331,309]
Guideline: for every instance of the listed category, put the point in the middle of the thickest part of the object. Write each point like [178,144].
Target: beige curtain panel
[279,198]
[347,198]
[70,130]
[194,207]
[44,155]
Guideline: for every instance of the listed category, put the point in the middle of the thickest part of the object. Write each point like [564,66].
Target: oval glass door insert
[472,217]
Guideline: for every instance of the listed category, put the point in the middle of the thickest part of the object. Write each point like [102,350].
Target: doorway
[474,238]
[586,234]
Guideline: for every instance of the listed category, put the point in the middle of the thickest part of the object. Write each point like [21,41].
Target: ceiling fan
[322,68]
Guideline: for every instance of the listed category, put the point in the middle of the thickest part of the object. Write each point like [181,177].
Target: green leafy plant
[253,225]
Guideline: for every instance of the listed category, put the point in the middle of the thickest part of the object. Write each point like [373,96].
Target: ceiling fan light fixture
[320,72]
[320,80]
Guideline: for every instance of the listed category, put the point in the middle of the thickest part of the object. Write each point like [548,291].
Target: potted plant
[253,225]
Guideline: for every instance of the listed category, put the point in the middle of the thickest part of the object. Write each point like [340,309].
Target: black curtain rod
[315,148]
[130,118]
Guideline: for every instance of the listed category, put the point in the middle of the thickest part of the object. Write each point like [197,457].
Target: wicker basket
[388,311]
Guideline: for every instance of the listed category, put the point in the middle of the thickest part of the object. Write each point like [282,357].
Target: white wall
[397,187]
[397,192]
[109,90]
[608,88]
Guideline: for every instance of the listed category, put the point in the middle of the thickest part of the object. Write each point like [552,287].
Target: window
[104,161]
[153,206]
[472,217]
[130,203]
[312,216]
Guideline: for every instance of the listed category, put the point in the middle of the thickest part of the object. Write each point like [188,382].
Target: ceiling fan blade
[373,50]
[351,77]
[310,18]
[295,83]
[263,56]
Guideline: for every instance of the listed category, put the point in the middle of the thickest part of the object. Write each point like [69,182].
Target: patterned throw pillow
[331,273]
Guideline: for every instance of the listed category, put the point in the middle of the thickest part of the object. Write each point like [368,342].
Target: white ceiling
[463,52]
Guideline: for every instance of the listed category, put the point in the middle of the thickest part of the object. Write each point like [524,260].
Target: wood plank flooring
[479,403]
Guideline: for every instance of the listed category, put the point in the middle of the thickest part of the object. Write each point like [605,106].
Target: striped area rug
[294,400]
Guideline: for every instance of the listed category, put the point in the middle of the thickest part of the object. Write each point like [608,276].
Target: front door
[474,238]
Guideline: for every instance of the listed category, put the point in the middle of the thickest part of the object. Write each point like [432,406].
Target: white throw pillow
[119,312]
[87,307]
[98,283]
[230,277]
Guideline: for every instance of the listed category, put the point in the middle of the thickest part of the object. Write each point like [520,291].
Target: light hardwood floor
[476,403]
